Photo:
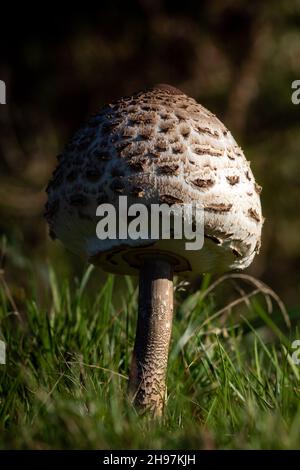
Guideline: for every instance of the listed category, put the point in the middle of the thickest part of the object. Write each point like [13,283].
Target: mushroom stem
[147,382]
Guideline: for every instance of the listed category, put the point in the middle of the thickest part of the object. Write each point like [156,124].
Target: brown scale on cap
[254,215]
[169,169]
[233,179]
[218,207]
[168,89]
[203,183]
[258,189]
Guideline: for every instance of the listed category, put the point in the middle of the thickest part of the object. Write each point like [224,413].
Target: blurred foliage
[237,58]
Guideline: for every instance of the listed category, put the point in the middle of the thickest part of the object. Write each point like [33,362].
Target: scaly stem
[147,383]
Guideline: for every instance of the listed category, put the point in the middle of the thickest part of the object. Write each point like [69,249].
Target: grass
[231,380]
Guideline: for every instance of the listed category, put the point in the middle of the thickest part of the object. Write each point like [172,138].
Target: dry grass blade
[94,366]
[261,287]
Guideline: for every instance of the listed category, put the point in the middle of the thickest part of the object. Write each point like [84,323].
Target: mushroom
[157,146]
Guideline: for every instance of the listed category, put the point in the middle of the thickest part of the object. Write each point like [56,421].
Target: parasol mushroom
[157,146]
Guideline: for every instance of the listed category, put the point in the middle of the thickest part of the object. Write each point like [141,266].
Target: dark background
[237,58]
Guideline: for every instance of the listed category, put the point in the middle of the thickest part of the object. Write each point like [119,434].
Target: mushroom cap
[156,146]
